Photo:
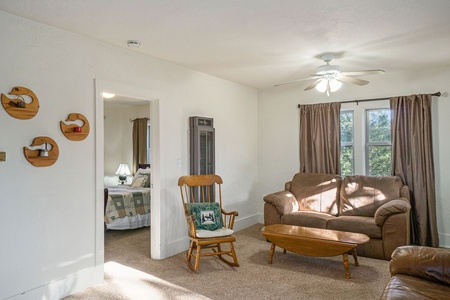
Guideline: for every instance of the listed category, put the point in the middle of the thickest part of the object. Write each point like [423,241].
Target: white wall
[118,138]
[277,112]
[53,216]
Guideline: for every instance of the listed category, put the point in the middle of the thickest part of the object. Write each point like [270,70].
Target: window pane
[347,127]
[347,160]
[379,125]
[379,160]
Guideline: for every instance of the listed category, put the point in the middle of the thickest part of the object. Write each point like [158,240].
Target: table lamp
[123,171]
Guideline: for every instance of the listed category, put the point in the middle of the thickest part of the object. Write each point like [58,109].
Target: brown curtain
[412,160]
[320,137]
[139,142]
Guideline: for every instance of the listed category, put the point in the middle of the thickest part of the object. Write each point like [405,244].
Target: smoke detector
[133,43]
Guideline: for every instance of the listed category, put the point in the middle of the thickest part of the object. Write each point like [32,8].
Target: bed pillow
[138,182]
[145,173]
[207,215]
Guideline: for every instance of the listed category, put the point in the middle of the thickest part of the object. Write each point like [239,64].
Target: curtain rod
[132,120]
[437,94]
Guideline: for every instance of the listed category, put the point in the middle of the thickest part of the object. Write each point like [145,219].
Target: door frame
[154,97]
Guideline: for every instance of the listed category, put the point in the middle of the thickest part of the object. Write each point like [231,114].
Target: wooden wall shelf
[13,106]
[42,161]
[69,130]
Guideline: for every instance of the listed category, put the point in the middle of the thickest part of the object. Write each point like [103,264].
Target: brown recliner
[419,272]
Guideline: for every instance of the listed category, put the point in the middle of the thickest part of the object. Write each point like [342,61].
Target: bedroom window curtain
[412,161]
[320,137]
[139,142]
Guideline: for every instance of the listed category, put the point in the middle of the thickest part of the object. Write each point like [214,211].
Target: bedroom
[121,113]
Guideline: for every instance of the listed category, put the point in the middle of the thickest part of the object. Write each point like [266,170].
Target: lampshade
[333,85]
[123,170]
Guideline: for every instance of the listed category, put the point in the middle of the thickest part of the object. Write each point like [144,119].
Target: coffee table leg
[271,252]
[347,271]
[355,256]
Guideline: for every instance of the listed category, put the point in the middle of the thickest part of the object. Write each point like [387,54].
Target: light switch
[179,163]
[2,156]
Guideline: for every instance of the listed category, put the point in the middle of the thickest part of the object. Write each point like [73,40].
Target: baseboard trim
[64,287]
[243,223]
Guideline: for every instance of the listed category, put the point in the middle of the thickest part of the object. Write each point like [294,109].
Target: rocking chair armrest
[234,213]
[229,218]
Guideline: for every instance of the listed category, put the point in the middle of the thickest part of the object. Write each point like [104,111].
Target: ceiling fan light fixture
[335,85]
[329,78]
[322,86]
[330,85]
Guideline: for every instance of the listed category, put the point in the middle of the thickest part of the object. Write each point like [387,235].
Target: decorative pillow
[207,215]
[143,173]
[139,182]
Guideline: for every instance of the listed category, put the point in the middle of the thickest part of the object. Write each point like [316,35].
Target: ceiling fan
[329,78]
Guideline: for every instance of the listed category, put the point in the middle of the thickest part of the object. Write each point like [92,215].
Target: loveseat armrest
[284,201]
[398,206]
[424,262]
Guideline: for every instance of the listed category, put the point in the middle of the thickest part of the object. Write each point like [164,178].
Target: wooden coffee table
[314,242]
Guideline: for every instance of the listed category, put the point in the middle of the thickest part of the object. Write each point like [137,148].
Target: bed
[128,206]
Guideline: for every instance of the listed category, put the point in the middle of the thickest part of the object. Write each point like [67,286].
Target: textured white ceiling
[259,43]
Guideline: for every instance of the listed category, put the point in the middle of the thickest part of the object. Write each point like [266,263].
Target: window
[347,157]
[366,139]
[378,142]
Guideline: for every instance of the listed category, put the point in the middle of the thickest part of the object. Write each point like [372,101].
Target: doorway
[152,98]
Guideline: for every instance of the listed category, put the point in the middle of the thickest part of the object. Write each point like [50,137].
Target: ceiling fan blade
[297,80]
[313,85]
[364,72]
[353,80]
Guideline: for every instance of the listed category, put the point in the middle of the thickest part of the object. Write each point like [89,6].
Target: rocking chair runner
[203,211]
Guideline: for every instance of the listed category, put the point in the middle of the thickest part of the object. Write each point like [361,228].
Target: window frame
[369,143]
[360,155]
[352,143]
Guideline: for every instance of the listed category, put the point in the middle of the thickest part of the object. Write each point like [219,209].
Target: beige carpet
[131,274]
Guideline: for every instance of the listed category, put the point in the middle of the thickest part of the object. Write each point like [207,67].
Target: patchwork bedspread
[126,201]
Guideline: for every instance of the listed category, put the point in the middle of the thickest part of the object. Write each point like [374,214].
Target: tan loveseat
[419,273]
[376,206]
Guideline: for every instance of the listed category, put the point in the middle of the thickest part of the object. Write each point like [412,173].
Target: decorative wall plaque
[18,107]
[73,131]
[46,155]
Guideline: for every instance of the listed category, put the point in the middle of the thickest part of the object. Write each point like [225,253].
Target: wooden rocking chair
[208,224]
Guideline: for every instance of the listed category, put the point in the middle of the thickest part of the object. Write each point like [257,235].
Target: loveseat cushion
[362,195]
[317,192]
[306,219]
[365,225]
